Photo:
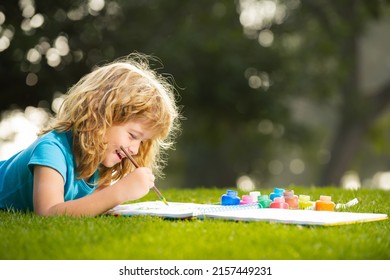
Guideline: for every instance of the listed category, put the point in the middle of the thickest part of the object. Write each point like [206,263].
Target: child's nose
[135,147]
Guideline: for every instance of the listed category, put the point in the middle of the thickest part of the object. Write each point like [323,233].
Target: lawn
[25,236]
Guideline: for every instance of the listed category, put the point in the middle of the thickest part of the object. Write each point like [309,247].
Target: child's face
[129,135]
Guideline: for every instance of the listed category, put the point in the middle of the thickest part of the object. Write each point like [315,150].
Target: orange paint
[325,203]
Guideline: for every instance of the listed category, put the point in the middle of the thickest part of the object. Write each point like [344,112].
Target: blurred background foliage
[274,92]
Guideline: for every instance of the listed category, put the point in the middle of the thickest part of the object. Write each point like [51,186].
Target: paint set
[283,199]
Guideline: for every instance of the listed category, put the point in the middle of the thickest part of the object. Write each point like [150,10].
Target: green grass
[25,236]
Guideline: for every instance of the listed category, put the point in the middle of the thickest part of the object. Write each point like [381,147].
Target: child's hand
[138,183]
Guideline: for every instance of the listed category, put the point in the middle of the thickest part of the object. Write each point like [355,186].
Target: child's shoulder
[56,136]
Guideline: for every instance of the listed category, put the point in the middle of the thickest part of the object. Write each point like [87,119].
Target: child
[76,166]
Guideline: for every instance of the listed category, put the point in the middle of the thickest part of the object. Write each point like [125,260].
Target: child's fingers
[145,175]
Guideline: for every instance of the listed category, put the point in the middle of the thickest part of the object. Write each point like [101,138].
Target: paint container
[255,196]
[325,203]
[291,199]
[264,201]
[304,202]
[246,199]
[279,202]
[230,198]
[277,193]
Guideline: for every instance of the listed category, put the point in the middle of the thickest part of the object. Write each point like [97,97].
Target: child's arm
[49,193]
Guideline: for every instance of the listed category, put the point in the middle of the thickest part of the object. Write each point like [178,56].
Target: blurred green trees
[269,89]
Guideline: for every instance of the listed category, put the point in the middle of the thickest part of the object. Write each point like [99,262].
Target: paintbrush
[136,165]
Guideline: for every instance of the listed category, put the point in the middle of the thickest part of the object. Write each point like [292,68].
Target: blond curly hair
[121,91]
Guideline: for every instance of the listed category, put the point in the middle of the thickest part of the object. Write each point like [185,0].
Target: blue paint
[277,193]
[230,198]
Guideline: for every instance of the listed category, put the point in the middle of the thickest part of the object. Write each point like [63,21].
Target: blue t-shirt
[54,150]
